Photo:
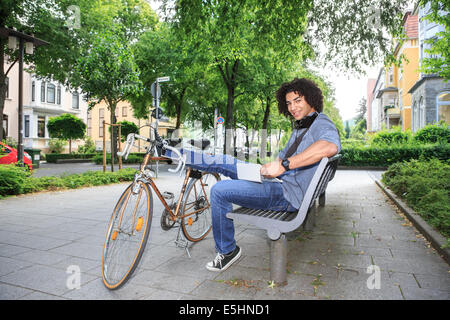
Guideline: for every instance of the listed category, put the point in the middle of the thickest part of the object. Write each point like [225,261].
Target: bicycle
[129,226]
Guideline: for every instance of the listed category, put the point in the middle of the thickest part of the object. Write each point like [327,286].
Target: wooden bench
[278,223]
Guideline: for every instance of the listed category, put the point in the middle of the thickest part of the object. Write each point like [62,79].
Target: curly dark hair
[305,88]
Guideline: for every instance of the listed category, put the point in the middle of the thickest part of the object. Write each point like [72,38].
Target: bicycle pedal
[168,195]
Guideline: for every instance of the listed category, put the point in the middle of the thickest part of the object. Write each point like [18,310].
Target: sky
[349,89]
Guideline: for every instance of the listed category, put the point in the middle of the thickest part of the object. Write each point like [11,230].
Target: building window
[58,95]
[391,75]
[101,117]
[89,123]
[43,91]
[415,116]
[5,126]
[443,107]
[7,87]
[41,127]
[33,91]
[421,113]
[124,111]
[51,93]
[27,125]
[75,100]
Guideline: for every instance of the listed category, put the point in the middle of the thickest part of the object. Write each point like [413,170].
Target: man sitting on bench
[314,137]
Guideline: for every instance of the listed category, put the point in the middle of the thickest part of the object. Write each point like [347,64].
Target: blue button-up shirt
[296,181]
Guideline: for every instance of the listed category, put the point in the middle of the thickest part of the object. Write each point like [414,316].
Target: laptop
[251,172]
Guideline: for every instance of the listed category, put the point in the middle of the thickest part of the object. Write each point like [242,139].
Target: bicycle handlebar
[130,141]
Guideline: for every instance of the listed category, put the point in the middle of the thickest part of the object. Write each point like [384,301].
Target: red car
[9,155]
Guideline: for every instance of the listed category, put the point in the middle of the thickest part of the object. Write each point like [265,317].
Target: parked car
[9,155]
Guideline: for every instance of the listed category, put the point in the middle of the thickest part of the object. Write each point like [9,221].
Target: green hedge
[18,180]
[132,158]
[385,156]
[424,185]
[52,157]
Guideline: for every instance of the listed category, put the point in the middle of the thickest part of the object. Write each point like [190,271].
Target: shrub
[88,147]
[132,158]
[424,185]
[384,156]
[389,137]
[17,180]
[433,133]
[56,146]
[13,179]
[52,157]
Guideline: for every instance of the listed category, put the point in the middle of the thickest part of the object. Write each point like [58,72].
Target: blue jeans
[266,195]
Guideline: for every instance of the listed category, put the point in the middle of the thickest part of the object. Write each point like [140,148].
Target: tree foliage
[66,127]
[439,52]
[108,72]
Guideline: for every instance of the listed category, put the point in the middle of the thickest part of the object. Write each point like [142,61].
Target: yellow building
[124,111]
[400,79]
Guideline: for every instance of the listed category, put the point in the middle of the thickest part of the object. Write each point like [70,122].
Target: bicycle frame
[174,215]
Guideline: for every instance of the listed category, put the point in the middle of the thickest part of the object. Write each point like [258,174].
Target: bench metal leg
[310,220]
[278,261]
[322,200]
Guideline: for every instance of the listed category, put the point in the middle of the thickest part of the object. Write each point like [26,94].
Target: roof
[411,24]
[388,89]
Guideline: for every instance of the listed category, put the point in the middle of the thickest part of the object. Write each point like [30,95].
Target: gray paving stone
[41,235]
[178,283]
[42,278]
[223,290]
[95,290]
[10,292]
[7,250]
[40,257]
[424,294]
[9,265]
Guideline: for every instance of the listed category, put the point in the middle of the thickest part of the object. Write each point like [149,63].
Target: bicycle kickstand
[182,242]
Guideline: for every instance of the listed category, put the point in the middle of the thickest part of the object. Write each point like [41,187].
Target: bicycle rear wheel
[196,208]
[127,235]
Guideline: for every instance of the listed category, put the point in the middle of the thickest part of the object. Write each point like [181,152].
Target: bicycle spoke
[127,235]
[196,211]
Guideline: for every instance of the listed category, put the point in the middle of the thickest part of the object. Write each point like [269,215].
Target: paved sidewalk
[45,236]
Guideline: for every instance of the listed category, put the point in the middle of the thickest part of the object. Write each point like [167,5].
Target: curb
[435,238]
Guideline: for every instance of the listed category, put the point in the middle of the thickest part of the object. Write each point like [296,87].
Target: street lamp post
[27,41]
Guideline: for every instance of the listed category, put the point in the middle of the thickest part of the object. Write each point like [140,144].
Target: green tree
[160,52]
[229,31]
[347,130]
[108,72]
[66,127]
[438,58]
[127,127]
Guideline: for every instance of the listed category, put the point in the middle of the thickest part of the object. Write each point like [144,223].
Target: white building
[42,99]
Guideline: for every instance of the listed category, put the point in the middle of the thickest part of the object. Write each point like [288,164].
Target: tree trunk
[112,109]
[2,86]
[70,145]
[178,108]
[263,153]
[229,78]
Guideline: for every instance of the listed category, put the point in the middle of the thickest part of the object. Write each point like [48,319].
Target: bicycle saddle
[203,143]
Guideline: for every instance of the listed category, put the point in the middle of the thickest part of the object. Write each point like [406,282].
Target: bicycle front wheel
[196,210]
[127,235]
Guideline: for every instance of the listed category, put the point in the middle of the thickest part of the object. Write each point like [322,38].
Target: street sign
[220,120]
[157,113]
[163,79]
[156,90]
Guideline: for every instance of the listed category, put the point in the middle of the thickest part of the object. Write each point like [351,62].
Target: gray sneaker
[223,261]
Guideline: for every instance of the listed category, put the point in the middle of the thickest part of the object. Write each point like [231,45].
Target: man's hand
[272,169]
